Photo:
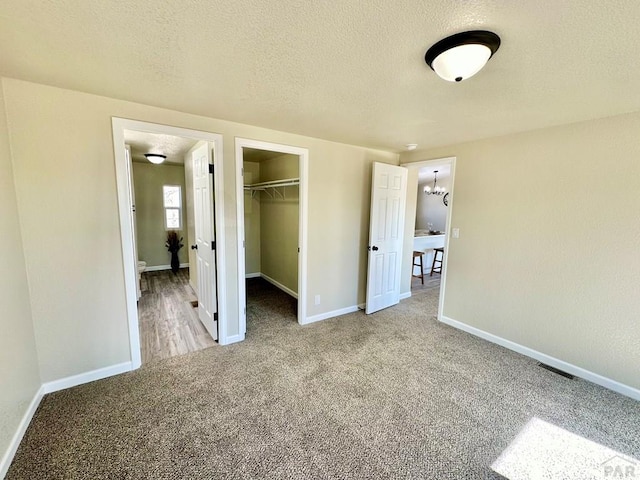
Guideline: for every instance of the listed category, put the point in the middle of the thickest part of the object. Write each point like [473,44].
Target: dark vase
[175,262]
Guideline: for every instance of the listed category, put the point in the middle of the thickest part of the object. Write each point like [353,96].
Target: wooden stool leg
[421,270]
[435,259]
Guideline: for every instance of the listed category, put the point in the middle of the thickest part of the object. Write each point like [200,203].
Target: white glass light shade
[462,62]
[155,158]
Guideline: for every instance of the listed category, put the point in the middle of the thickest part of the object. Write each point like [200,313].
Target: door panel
[205,238]
[386,234]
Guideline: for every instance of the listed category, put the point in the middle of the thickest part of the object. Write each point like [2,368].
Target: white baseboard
[544,358]
[253,275]
[326,315]
[87,377]
[7,458]
[279,285]
[405,295]
[157,268]
[232,339]
[50,387]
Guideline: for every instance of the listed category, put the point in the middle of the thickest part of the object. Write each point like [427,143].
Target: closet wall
[252,220]
[272,222]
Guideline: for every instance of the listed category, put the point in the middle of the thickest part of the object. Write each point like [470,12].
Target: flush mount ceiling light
[155,158]
[436,190]
[462,55]
[411,146]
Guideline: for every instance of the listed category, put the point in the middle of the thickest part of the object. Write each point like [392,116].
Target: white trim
[332,314]
[303,171]
[130,264]
[279,285]
[86,377]
[158,268]
[445,260]
[14,443]
[234,339]
[253,275]
[544,358]
[124,208]
[405,295]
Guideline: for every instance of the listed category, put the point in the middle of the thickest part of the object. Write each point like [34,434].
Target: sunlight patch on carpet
[544,451]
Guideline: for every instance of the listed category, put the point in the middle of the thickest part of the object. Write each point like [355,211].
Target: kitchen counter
[424,242]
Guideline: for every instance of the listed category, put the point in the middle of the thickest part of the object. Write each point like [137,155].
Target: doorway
[272,221]
[430,214]
[126,207]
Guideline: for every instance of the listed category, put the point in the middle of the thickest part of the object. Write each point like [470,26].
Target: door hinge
[298,249]
[215,316]
[213,245]
[211,168]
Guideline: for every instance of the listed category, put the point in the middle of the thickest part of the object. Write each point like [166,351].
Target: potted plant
[173,245]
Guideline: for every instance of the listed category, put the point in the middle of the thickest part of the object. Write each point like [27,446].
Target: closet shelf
[273,186]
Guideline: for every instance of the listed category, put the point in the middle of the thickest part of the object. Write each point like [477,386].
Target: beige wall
[548,251]
[430,208]
[148,180]
[279,223]
[252,219]
[19,376]
[65,183]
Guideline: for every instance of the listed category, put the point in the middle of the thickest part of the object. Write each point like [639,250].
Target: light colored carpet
[391,395]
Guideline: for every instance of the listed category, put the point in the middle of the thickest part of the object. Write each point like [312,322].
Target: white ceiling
[426,173]
[258,156]
[175,148]
[342,70]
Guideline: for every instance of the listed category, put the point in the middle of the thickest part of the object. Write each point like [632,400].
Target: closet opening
[273,234]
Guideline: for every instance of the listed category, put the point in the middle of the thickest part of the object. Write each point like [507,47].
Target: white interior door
[205,238]
[386,235]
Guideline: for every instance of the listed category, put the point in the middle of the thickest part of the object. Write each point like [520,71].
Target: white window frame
[179,207]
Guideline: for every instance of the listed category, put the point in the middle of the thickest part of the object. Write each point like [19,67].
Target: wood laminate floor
[429,282]
[169,324]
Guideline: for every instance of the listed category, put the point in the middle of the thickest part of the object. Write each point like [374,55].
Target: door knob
[194,247]
[374,248]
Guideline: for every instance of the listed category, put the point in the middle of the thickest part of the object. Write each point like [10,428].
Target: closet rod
[287,182]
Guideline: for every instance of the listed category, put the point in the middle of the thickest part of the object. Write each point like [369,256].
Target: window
[172,198]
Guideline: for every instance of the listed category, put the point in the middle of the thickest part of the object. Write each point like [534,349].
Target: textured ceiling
[175,148]
[341,70]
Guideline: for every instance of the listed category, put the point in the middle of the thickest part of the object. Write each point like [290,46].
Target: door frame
[129,263]
[303,171]
[443,276]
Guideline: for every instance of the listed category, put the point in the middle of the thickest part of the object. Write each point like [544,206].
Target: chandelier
[436,190]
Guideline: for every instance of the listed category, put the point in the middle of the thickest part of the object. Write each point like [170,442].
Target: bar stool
[419,256]
[437,268]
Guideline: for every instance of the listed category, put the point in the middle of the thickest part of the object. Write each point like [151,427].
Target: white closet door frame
[303,154]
